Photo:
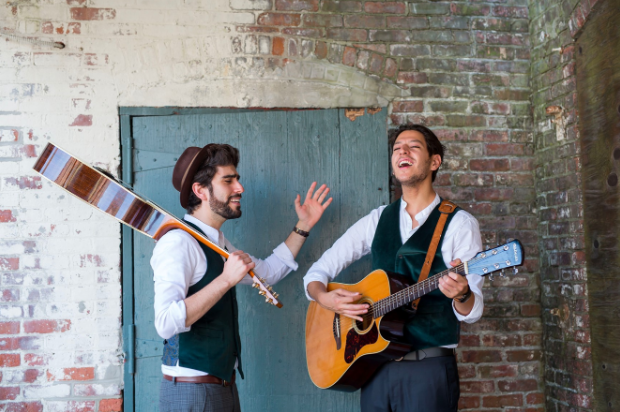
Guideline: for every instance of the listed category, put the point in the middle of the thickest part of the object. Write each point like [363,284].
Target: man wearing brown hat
[195,304]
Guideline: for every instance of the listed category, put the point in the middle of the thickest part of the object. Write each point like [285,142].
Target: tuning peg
[262,293]
[275,295]
[270,288]
[267,300]
[256,286]
[515,270]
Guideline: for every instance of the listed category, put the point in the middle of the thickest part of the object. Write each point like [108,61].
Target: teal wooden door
[282,152]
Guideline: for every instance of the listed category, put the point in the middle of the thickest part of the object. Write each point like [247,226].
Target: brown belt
[201,379]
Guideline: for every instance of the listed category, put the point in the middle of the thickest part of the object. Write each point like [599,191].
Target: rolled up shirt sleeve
[467,242]
[175,260]
[274,268]
[475,284]
[351,246]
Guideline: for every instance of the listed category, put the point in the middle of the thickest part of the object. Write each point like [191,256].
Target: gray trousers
[429,385]
[197,397]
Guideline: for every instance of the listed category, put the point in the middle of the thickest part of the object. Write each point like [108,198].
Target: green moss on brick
[429,8]
[465,121]
[341,6]
[448,107]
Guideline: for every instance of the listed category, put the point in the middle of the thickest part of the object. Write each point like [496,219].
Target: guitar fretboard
[411,293]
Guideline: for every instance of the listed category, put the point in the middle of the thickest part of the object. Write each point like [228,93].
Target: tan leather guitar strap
[446,208]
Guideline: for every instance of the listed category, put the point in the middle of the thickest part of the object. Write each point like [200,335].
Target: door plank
[364,175]
[281,152]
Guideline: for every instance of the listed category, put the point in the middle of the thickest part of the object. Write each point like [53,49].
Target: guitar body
[342,353]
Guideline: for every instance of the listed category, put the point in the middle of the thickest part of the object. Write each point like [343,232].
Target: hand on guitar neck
[455,286]
[236,268]
[340,301]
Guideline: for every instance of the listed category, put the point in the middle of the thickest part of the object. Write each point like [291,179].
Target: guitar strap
[446,208]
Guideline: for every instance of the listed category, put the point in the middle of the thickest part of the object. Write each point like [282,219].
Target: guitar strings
[405,293]
[392,301]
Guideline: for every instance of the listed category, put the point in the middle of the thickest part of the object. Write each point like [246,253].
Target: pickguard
[355,342]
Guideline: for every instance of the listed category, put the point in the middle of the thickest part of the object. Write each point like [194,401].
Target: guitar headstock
[265,290]
[496,259]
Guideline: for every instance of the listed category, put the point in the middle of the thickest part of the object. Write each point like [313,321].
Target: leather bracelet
[301,232]
[465,296]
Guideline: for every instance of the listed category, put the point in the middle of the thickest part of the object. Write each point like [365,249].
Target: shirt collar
[211,232]
[424,213]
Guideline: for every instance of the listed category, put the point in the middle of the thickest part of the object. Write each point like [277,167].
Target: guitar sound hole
[362,326]
[368,319]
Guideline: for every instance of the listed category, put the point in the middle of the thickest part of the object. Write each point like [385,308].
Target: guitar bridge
[336,330]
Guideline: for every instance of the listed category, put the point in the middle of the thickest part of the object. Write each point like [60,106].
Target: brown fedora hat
[185,169]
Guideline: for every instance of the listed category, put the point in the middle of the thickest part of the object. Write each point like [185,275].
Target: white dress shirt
[461,241]
[178,262]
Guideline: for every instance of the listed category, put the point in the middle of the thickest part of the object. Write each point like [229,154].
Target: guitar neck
[104,192]
[101,190]
[170,222]
[413,292]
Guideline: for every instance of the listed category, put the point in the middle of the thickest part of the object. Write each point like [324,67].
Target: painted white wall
[152,53]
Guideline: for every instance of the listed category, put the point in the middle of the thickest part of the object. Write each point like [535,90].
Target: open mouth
[235,200]
[404,163]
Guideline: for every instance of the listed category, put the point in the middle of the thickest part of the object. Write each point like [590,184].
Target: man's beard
[222,208]
[419,178]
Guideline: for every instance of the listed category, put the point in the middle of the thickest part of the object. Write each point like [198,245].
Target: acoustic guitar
[343,353]
[101,190]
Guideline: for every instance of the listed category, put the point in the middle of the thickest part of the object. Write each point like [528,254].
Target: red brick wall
[563,275]
[465,67]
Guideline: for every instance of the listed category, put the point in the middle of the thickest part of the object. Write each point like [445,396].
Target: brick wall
[459,67]
[465,69]
[568,367]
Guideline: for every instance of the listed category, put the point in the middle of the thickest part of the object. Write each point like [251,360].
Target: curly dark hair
[219,155]
[433,145]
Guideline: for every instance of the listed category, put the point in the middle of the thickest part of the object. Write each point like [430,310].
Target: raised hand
[313,207]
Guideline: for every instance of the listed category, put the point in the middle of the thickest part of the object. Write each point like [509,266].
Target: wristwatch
[465,297]
[301,232]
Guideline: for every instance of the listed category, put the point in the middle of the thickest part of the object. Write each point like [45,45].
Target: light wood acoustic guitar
[101,190]
[343,353]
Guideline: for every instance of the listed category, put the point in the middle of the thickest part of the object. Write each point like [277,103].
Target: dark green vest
[434,323]
[212,344]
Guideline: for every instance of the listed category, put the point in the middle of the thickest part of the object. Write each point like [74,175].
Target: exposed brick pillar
[465,66]
[566,323]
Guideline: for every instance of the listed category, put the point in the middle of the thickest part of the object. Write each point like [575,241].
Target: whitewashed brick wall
[60,305]
[460,67]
